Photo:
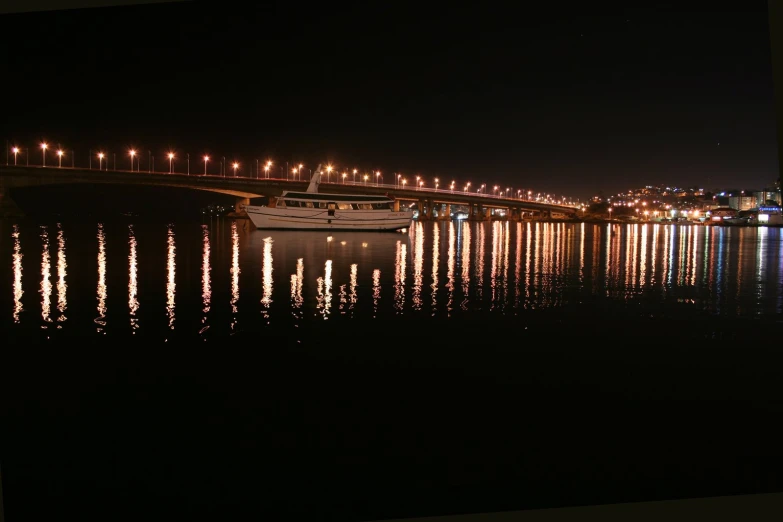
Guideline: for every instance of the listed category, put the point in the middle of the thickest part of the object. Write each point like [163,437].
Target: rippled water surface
[217,278]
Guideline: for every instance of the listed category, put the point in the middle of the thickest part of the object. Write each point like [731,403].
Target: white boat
[312,210]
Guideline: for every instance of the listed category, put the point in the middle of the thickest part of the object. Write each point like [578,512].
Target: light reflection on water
[102,291]
[206,278]
[17,268]
[46,283]
[171,273]
[443,269]
[133,282]
[62,287]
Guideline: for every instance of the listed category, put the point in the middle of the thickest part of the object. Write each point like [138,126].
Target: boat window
[291,203]
[308,204]
[365,206]
[382,206]
[322,204]
[344,206]
[331,206]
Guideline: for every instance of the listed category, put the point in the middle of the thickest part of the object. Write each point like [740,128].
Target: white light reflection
[518,266]
[353,284]
[435,262]
[450,268]
[376,291]
[17,263]
[206,278]
[133,288]
[465,275]
[101,319]
[234,273]
[399,276]
[46,283]
[62,302]
[296,288]
[480,240]
[266,275]
[171,269]
[324,296]
[643,257]
[418,262]
[528,261]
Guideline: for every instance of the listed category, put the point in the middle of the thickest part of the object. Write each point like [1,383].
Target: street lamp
[100,161]
[328,171]
[235,166]
[344,176]
[15,150]
[131,153]
[377,177]
[354,175]
[365,179]
[60,158]
[43,152]
[171,163]
[206,159]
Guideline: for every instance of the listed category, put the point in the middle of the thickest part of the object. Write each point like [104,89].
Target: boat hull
[321,219]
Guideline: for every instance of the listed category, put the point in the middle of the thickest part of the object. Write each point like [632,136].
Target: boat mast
[315,180]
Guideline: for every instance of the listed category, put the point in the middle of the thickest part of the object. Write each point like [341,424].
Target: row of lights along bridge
[294,173]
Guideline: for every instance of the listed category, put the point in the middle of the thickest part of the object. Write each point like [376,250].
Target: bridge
[432,203]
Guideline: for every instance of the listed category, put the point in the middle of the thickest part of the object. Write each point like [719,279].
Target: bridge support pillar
[446,214]
[424,211]
[487,214]
[239,205]
[433,210]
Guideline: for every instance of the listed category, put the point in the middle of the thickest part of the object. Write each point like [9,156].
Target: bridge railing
[294,179]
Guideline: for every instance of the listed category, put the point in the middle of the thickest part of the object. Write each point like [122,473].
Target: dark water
[201,370]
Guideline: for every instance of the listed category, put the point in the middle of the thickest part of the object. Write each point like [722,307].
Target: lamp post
[171,163]
[100,161]
[15,150]
[235,166]
[187,155]
[131,153]
[43,153]
[206,159]
[60,159]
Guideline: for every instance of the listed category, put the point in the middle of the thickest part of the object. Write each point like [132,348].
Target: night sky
[561,101]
